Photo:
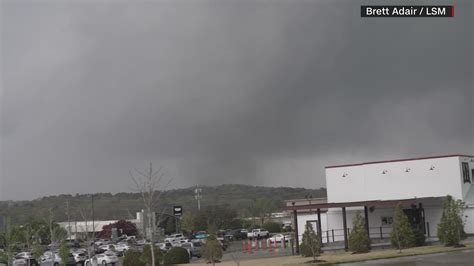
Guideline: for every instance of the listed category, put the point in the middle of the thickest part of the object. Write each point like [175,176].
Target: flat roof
[401,160]
[366,203]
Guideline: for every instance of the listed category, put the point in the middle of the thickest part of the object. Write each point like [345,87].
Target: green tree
[451,226]
[402,235]
[212,250]
[187,223]
[59,233]
[9,236]
[37,251]
[311,244]
[222,217]
[262,208]
[64,252]
[272,227]
[359,241]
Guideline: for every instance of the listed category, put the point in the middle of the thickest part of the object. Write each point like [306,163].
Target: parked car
[24,255]
[24,258]
[258,233]
[121,248]
[25,262]
[142,242]
[200,235]
[279,237]
[244,233]
[52,258]
[79,256]
[73,244]
[174,237]
[104,248]
[178,243]
[101,242]
[103,259]
[193,248]
[165,246]
[125,238]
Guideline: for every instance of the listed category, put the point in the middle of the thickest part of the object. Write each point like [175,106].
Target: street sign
[177,210]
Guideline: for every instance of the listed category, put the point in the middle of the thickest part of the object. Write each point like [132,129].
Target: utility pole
[93,218]
[198,196]
[51,224]
[68,220]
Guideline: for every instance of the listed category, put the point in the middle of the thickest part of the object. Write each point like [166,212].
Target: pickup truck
[258,233]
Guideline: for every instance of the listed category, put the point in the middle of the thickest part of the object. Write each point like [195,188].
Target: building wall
[368,181]
[467,187]
[334,221]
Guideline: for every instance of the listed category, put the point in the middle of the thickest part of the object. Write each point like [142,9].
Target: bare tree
[89,238]
[150,185]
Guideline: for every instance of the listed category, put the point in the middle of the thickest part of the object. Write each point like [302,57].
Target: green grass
[347,257]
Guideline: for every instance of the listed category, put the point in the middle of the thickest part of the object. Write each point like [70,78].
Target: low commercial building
[79,229]
[373,189]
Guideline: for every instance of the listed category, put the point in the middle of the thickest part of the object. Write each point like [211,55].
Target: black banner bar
[407,11]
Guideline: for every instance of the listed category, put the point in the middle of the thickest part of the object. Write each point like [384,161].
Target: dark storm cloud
[259,92]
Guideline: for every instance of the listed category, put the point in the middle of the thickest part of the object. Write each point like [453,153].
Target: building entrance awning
[328,205]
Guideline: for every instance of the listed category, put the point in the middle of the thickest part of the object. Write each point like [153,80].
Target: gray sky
[256,92]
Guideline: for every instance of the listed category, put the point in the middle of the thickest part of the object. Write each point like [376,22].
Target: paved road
[461,258]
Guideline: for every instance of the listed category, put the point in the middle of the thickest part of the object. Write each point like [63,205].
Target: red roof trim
[401,160]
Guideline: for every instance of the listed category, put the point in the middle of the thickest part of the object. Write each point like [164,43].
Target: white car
[142,242]
[258,233]
[79,256]
[178,243]
[103,259]
[107,247]
[193,248]
[279,237]
[174,237]
[122,247]
[164,246]
[51,258]
[23,255]
[22,262]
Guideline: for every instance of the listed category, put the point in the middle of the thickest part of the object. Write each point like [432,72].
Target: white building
[374,188]
[77,229]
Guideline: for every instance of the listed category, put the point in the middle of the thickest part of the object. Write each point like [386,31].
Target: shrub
[146,255]
[451,226]
[133,258]
[419,237]
[272,227]
[311,244]
[304,250]
[359,241]
[402,235]
[212,250]
[176,255]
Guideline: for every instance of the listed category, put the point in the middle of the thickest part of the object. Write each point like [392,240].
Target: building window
[387,220]
[465,173]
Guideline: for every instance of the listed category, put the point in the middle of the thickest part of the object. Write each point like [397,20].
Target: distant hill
[109,206]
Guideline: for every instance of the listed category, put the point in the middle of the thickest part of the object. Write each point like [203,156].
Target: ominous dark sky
[233,91]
